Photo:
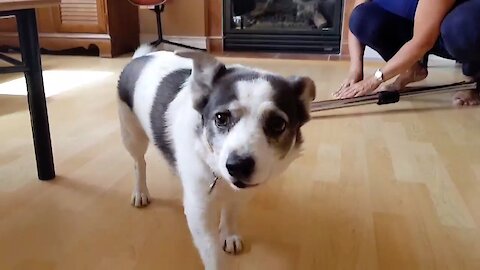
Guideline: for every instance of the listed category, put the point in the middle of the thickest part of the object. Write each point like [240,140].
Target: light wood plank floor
[395,187]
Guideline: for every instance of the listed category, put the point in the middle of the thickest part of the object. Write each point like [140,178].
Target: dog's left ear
[206,69]
[305,89]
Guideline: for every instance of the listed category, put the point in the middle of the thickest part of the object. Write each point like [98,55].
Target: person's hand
[364,87]
[354,76]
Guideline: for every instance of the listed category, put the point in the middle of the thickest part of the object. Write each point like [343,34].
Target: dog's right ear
[305,90]
[206,69]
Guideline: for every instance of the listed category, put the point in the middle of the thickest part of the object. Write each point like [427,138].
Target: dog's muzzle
[240,168]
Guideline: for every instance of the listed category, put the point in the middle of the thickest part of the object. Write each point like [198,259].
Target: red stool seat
[148,2]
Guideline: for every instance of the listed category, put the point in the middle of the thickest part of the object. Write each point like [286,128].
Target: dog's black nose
[240,167]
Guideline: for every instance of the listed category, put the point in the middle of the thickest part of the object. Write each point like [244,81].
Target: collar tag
[213,184]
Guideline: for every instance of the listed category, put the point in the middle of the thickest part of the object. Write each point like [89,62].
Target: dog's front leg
[202,218]
[231,240]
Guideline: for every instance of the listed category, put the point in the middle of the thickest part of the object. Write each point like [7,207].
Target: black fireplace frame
[321,41]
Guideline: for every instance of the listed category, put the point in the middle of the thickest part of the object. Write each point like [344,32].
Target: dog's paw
[233,244]
[140,198]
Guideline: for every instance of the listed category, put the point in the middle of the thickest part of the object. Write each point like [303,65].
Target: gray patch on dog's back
[167,90]
[129,77]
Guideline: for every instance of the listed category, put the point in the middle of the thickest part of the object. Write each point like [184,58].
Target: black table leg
[28,35]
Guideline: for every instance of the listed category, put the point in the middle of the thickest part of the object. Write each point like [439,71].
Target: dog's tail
[144,49]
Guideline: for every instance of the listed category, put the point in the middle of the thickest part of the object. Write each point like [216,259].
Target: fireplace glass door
[283,25]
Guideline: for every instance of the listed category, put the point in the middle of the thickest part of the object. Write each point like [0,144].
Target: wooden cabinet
[110,25]
[87,16]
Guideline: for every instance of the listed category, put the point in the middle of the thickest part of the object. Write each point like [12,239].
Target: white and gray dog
[238,125]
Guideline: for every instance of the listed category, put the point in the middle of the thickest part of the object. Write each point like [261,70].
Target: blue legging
[386,33]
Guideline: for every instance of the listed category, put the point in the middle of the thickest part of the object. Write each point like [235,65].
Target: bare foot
[466,98]
[414,74]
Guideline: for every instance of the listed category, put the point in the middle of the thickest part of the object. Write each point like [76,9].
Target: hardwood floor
[394,187]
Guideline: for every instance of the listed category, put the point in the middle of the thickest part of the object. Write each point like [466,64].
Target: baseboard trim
[194,41]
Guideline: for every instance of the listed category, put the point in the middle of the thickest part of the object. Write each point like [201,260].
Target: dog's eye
[222,119]
[276,125]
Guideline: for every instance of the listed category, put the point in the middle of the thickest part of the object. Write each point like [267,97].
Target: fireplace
[305,26]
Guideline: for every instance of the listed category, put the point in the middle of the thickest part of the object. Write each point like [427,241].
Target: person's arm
[428,19]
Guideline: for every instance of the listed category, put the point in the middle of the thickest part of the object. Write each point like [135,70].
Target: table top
[26,4]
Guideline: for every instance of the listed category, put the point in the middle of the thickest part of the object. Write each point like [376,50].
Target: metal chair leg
[158,11]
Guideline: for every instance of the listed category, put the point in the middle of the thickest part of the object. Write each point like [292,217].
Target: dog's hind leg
[136,142]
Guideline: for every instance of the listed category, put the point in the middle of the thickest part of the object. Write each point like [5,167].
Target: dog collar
[215,177]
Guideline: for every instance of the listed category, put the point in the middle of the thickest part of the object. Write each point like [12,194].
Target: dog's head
[251,119]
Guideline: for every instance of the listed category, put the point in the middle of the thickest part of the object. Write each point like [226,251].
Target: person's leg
[380,29]
[386,33]
[460,35]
